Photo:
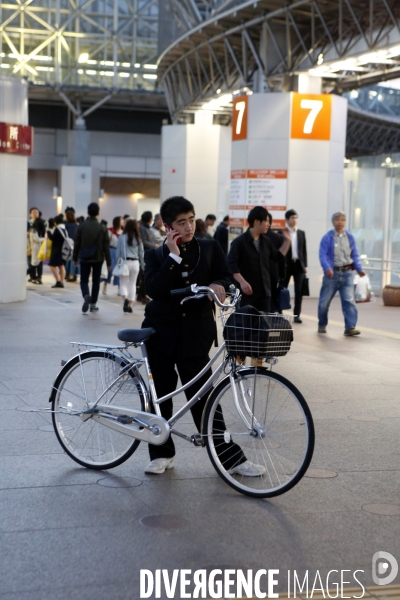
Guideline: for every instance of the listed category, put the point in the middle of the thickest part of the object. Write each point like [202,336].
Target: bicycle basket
[249,332]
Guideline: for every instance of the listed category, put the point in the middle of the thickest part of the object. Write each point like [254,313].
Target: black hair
[225,218]
[40,226]
[147,216]
[290,213]
[269,217]
[126,217]
[51,223]
[211,217]
[258,213]
[33,208]
[93,209]
[174,206]
[59,219]
[80,219]
[70,215]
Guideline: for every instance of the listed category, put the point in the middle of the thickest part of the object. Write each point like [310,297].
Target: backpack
[67,249]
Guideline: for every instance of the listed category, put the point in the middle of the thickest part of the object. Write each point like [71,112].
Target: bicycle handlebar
[195,290]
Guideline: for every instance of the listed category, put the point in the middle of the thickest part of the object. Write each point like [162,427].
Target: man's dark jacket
[254,266]
[92,232]
[222,236]
[189,328]
[301,249]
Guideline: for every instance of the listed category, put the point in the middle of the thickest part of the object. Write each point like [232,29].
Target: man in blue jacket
[339,259]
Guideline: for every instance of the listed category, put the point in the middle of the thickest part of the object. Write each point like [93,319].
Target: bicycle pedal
[125,420]
[197,440]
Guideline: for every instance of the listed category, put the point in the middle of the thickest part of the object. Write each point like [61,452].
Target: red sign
[239,118]
[16,139]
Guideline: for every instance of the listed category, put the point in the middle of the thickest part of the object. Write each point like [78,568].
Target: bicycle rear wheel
[270,423]
[77,387]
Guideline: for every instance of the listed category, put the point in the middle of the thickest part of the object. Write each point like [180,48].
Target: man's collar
[293,229]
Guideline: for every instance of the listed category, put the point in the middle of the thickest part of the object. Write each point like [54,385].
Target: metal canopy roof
[225,46]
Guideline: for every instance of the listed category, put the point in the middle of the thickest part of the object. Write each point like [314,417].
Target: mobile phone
[167,229]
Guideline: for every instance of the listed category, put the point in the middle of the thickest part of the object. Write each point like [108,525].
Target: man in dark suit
[184,333]
[249,260]
[296,261]
[222,234]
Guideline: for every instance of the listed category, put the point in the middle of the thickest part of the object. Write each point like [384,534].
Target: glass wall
[372,201]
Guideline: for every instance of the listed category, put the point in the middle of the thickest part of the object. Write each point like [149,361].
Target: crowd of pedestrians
[262,260]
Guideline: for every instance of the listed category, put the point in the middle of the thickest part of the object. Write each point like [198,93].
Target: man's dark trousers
[165,381]
[86,268]
[295,270]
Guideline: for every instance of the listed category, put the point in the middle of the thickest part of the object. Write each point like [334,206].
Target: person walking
[222,234]
[296,261]
[36,237]
[249,260]
[56,260]
[147,232]
[113,234]
[130,249]
[201,230]
[210,224]
[276,267]
[158,230]
[91,249]
[71,225]
[339,259]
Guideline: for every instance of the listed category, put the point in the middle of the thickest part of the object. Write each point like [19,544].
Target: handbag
[305,288]
[121,268]
[45,249]
[104,271]
[284,298]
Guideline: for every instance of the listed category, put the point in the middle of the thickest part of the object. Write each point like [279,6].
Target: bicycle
[101,404]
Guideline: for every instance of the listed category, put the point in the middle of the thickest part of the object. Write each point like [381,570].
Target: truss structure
[97,48]
[225,46]
[368,133]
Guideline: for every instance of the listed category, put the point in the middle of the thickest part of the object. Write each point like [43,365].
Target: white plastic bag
[362,289]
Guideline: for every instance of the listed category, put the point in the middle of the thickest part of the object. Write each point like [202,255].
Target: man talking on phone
[184,332]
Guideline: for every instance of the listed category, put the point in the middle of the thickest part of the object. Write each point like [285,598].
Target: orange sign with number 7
[311,116]
[239,118]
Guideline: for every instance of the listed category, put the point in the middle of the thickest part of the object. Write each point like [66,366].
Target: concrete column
[196,164]
[13,196]
[288,153]
[79,187]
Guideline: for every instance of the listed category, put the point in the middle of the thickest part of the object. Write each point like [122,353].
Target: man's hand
[305,269]
[219,290]
[329,273]
[246,288]
[362,273]
[76,264]
[286,234]
[171,238]
[109,268]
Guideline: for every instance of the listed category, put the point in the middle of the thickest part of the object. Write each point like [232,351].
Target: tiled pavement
[70,533]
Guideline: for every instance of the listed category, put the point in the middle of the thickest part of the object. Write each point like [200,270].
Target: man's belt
[344,268]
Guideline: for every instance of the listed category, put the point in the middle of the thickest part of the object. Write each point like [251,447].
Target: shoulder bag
[121,268]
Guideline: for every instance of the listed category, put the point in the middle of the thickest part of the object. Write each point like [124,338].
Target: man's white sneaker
[248,469]
[159,465]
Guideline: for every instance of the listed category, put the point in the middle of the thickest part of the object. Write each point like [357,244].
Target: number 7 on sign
[314,106]
[240,107]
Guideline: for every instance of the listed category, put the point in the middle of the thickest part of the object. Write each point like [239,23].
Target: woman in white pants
[130,249]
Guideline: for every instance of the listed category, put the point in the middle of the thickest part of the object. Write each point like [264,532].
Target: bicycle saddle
[135,336]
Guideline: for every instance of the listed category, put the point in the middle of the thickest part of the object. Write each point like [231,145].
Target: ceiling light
[148,66]
[126,64]
[148,76]
[92,62]
[354,94]
[137,65]
[124,74]
[83,57]
[320,59]
[91,72]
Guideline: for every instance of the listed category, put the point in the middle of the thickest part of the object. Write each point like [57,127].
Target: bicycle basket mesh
[249,332]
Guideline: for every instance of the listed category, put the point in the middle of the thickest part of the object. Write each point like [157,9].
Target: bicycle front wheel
[264,420]
[77,387]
